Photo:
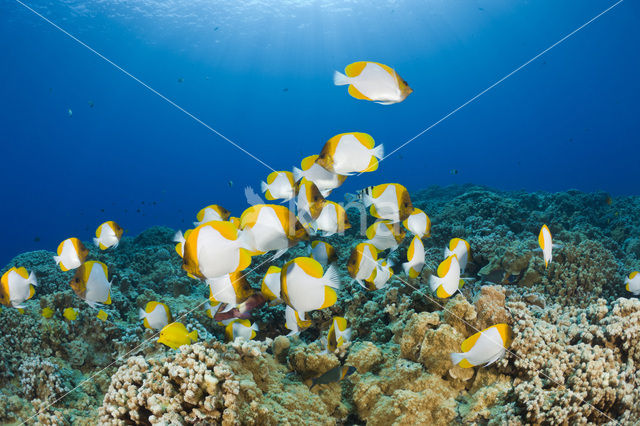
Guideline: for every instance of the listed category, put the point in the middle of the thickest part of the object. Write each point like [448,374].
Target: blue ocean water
[260,73]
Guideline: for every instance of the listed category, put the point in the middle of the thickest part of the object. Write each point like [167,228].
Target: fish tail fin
[142,313]
[378,151]
[57,259]
[297,174]
[406,267]
[194,335]
[178,237]
[332,277]
[447,252]
[32,279]
[263,186]
[434,282]
[96,242]
[456,357]
[340,79]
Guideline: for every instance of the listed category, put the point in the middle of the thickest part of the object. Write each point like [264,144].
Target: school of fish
[220,248]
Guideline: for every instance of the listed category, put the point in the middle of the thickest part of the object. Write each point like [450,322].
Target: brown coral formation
[237,383]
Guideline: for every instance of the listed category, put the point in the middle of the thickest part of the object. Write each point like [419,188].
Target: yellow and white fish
[309,201]
[418,223]
[17,286]
[322,251]
[349,153]
[70,314]
[270,285]
[279,186]
[389,201]
[293,321]
[325,180]
[306,287]
[241,328]
[448,281]
[71,254]
[461,249]
[108,235]
[332,220]
[338,335]
[383,275]
[546,244]
[373,81]
[362,263]
[415,258]
[232,289]
[632,283]
[155,315]
[212,212]
[271,227]
[385,235]
[91,283]
[215,249]
[176,334]
[484,347]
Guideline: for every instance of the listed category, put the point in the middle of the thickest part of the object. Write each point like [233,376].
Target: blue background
[568,120]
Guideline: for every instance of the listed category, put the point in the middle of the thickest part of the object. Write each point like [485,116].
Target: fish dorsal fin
[60,246]
[371,231]
[226,229]
[356,93]
[442,293]
[273,270]
[310,266]
[412,249]
[453,243]
[99,231]
[354,69]
[249,217]
[365,139]
[633,275]
[187,233]
[22,271]
[330,297]
[307,162]
[272,177]
[505,333]
[179,249]
[151,306]
[541,236]
[444,266]
[470,342]
[108,301]
[245,259]
[388,69]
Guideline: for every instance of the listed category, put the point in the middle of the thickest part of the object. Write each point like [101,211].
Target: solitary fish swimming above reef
[484,347]
[373,81]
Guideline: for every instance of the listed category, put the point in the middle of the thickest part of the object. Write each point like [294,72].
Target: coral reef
[573,359]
